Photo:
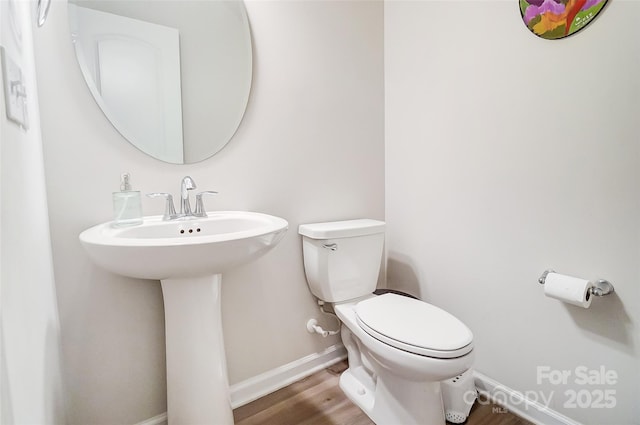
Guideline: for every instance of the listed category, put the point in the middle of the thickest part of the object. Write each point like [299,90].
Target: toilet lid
[415,326]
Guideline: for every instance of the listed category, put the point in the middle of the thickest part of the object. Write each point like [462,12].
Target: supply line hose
[313,327]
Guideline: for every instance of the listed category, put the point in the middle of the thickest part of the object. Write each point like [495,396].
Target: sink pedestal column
[197,383]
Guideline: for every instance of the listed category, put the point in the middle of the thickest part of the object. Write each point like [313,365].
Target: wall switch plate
[15,91]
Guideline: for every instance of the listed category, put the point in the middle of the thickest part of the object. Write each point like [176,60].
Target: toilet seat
[414,326]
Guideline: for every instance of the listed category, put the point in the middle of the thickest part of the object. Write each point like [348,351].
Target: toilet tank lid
[342,229]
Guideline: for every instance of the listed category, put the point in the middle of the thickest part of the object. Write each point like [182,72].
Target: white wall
[506,155]
[310,148]
[30,376]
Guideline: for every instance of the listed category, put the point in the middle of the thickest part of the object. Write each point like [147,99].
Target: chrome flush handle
[331,246]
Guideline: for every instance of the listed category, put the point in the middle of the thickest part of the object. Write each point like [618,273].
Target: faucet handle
[169,209]
[200,212]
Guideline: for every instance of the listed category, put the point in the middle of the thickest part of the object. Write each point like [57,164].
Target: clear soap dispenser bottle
[127,206]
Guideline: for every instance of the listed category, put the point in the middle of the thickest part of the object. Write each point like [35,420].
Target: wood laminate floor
[318,400]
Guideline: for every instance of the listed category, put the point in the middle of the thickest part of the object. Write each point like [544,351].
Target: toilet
[399,348]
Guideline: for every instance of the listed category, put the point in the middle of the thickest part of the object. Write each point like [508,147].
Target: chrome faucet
[185,207]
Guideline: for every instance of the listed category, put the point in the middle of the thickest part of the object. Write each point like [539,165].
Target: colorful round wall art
[553,19]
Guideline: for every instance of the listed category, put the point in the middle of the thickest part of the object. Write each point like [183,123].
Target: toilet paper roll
[569,289]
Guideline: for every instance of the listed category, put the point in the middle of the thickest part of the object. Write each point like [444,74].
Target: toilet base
[356,392]
[392,401]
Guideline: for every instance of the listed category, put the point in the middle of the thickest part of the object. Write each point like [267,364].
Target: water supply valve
[313,327]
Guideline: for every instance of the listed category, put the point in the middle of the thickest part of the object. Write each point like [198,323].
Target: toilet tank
[342,258]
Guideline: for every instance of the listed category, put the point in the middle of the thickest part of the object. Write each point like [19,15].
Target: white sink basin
[189,257]
[161,250]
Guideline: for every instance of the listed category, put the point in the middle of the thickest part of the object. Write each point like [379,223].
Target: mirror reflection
[172,76]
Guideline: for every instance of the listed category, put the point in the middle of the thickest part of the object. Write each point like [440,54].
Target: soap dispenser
[127,206]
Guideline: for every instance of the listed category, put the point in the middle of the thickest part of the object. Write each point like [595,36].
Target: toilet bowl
[393,385]
[399,348]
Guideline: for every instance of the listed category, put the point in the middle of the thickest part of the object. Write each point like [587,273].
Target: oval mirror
[172,76]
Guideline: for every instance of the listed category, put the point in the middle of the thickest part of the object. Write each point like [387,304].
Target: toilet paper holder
[600,287]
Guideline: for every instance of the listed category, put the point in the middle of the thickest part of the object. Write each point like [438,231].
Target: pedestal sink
[189,257]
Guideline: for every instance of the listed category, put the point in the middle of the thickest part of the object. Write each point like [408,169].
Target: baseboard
[253,388]
[518,404]
[160,419]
